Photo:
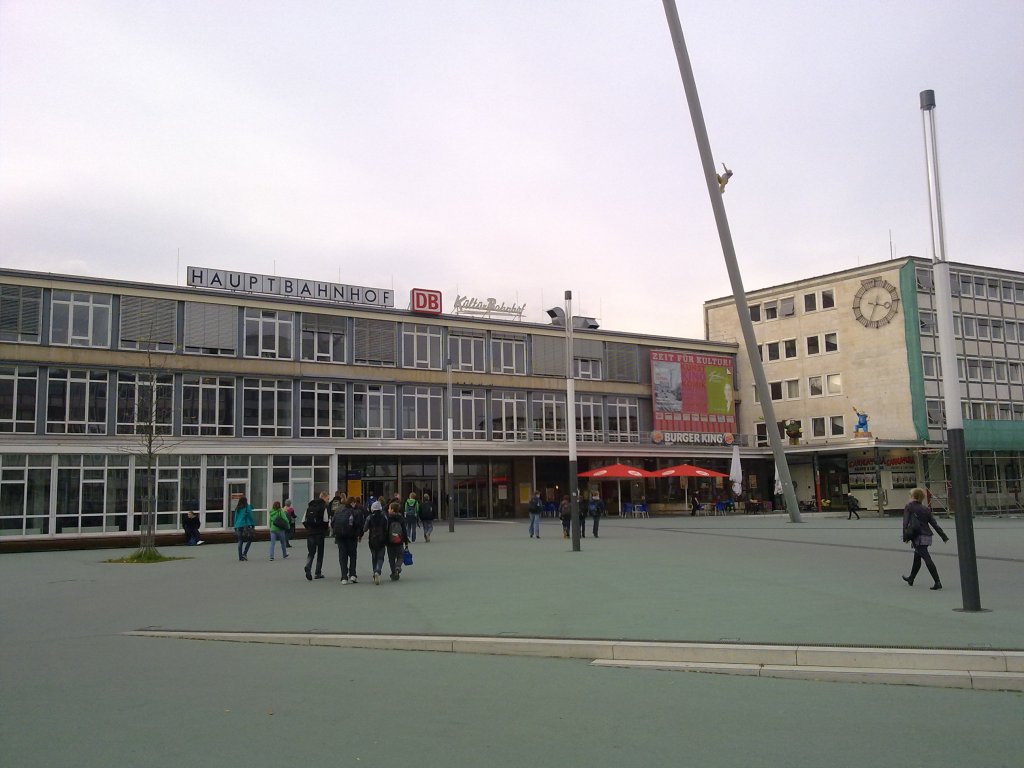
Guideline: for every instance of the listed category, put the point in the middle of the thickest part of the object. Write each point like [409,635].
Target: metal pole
[729,252]
[450,470]
[966,553]
[570,424]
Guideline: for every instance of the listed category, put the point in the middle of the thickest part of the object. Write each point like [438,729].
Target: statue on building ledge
[860,429]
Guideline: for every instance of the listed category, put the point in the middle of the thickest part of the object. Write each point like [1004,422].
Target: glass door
[235,490]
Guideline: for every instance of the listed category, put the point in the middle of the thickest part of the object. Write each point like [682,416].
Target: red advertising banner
[693,398]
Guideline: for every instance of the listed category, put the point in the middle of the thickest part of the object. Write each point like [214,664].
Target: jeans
[428,528]
[535,524]
[347,550]
[315,546]
[395,557]
[597,522]
[276,534]
[410,526]
[377,558]
[243,545]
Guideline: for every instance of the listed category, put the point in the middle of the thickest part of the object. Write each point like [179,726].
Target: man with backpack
[536,509]
[398,539]
[338,503]
[596,508]
[412,515]
[428,513]
[376,529]
[315,523]
[347,526]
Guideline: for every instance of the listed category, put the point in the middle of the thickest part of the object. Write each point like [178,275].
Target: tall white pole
[961,496]
[451,448]
[570,425]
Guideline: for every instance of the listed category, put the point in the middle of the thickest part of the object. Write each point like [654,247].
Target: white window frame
[508,355]
[469,414]
[837,380]
[623,420]
[23,383]
[277,393]
[71,308]
[92,392]
[135,390]
[275,345]
[508,416]
[820,380]
[208,394]
[589,418]
[422,412]
[467,352]
[549,423]
[319,406]
[587,368]
[374,411]
[421,346]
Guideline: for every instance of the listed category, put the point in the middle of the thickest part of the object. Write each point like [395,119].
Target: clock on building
[876,303]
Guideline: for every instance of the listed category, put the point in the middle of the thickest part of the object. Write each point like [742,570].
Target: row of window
[86,319]
[821,426]
[818,385]
[977,369]
[76,402]
[974,286]
[971,327]
[786,307]
[987,411]
[815,344]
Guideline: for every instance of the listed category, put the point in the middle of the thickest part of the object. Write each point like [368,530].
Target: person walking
[412,514]
[536,509]
[565,513]
[289,511]
[347,526]
[315,523]
[398,539]
[376,530]
[278,523]
[596,507]
[245,527]
[428,513]
[338,503]
[191,526]
[852,505]
[918,522]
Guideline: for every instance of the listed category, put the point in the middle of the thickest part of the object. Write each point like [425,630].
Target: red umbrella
[686,470]
[617,472]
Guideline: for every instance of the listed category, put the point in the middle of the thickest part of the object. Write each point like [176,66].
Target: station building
[279,388]
[862,345]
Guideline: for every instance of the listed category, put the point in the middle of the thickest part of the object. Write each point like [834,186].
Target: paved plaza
[76,691]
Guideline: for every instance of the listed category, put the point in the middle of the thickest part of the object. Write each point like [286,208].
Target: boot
[910,581]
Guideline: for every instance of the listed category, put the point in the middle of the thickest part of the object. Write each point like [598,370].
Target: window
[1007,292]
[818,426]
[148,323]
[927,323]
[789,348]
[422,413]
[935,412]
[835,426]
[776,389]
[787,307]
[773,350]
[834,383]
[76,402]
[831,342]
[973,369]
[1018,293]
[813,345]
[421,346]
[373,410]
[589,419]
[1000,371]
[268,333]
[1010,330]
[20,313]
[997,330]
[970,328]
[549,417]
[828,299]
[814,386]
[771,310]
[587,368]
[467,352]
[321,409]
[965,285]
[987,370]
[810,302]
[323,338]
[267,407]
[508,415]
[993,289]
[18,399]
[930,366]
[80,319]
[623,420]
[1014,372]
[374,342]
[508,354]
[983,328]
[761,433]
[207,405]
[755,313]
[210,329]
[145,403]
[793,389]
[924,280]
[469,414]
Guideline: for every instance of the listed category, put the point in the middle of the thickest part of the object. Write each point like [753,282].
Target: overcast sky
[505,149]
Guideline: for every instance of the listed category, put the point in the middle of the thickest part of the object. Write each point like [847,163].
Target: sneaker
[200,542]
[285,556]
[353,580]
[394,577]
[271,559]
[936,585]
[376,578]
[344,581]
[319,575]
[907,579]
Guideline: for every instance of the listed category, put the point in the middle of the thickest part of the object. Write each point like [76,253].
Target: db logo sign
[424,301]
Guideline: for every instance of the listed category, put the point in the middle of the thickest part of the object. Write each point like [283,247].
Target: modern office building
[275,388]
[862,343]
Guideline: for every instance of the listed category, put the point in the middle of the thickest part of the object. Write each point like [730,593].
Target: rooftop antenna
[892,253]
[177,269]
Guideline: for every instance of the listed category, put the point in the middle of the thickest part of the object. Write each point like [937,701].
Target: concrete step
[946,667]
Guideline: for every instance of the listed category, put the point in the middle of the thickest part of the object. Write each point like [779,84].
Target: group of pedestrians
[595,508]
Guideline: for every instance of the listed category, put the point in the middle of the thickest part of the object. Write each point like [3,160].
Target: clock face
[876,303]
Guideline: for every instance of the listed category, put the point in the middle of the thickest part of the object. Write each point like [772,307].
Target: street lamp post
[570,425]
[450,469]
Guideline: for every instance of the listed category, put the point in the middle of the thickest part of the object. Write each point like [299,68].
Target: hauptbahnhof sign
[272,285]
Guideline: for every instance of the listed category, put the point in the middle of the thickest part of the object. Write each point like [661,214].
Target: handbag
[281,523]
[407,557]
[249,533]
[913,529]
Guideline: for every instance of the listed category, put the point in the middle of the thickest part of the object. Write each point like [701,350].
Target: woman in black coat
[918,522]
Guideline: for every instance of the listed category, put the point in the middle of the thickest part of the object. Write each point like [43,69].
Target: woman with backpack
[245,527]
[376,530]
[398,539]
[412,514]
[279,525]
[918,522]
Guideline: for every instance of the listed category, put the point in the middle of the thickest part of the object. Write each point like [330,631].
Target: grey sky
[504,149]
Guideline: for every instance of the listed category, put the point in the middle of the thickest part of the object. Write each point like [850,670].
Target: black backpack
[395,532]
[345,523]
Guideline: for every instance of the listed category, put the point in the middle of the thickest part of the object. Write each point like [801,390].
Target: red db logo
[425,301]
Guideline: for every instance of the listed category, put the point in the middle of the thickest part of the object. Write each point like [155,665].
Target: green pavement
[75,691]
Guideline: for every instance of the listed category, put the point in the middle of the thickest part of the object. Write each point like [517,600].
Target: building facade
[852,365]
[276,389]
